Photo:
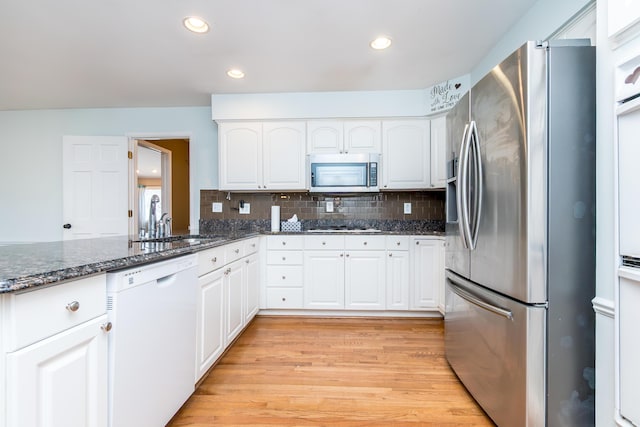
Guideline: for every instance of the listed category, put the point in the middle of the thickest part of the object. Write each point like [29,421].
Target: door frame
[133,138]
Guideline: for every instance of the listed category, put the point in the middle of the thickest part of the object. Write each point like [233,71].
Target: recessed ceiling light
[195,24]
[235,73]
[381,42]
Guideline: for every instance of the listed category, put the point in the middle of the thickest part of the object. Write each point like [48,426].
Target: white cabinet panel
[622,14]
[397,280]
[324,279]
[289,298]
[344,136]
[233,288]
[628,178]
[406,154]
[362,136]
[251,287]
[324,136]
[60,381]
[210,328]
[284,156]
[365,280]
[428,273]
[438,154]
[240,156]
[629,351]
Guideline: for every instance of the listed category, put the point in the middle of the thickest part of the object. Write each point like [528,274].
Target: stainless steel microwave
[344,173]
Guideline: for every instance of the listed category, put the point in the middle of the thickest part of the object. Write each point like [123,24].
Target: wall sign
[443,96]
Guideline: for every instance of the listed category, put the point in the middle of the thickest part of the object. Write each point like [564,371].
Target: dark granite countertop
[24,266]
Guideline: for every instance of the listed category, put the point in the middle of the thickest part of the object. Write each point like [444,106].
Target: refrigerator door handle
[468,296]
[477,182]
[461,194]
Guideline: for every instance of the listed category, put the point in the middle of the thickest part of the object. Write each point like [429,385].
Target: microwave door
[339,175]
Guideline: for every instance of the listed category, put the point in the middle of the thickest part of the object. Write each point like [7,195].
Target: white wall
[543,19]
[31,159]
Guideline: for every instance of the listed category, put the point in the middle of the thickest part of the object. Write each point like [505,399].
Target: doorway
[161,169]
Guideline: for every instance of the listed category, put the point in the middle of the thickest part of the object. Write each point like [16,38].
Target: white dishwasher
[153,341]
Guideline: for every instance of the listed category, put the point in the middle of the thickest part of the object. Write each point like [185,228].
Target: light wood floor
[286,371]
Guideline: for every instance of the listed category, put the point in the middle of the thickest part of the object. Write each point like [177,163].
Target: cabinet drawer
[233,252]
[251,246]
[397,243]
[324,242]
[210,259]
[365,242]
[284,275]
[33,316]
[284,242]
[284,298]
[285,257]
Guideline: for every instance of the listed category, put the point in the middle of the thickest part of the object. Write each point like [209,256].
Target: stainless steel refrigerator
[520,237]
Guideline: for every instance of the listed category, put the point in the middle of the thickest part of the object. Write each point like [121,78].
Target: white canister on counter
[275,218]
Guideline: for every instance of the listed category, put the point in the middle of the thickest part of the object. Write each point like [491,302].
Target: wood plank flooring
[299,371]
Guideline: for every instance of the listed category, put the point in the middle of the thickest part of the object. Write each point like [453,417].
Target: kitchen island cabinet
[56,368]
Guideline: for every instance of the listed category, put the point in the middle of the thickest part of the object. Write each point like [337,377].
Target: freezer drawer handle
[468,296]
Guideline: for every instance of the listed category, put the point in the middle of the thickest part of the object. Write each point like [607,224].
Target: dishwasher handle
[166,281]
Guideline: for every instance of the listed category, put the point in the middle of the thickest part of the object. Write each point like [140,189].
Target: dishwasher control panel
[141,274]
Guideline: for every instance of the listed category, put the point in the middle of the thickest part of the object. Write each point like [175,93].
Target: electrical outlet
[246,209]
[329,206]
[407,208]
[216,207]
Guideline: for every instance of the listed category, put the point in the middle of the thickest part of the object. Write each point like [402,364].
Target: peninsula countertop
[28,265]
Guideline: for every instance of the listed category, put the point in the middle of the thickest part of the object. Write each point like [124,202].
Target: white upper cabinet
[406,154]
[262,156]
[343,136]
[622,14]
[438,154]
[283,156]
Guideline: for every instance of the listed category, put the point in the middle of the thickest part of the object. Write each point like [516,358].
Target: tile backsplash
[425,205]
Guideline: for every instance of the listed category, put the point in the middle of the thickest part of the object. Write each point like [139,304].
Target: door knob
[67,226]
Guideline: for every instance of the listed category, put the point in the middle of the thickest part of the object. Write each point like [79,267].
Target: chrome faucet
[164,225]
[153,224]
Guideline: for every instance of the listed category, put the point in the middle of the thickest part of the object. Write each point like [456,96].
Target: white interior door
[94,186]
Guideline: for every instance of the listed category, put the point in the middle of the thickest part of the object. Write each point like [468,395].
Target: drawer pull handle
[417,243]
[284,299]
[253,245]
[341,255]
[284,277]
[347,255]
[106,327]
[365,243]
[284,243]
[284,258]
[398,243]
[247,261]
[324,243]
[390,255]
[214,259]
[73,306]
[237,251]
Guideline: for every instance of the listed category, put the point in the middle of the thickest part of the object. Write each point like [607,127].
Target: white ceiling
[135,53]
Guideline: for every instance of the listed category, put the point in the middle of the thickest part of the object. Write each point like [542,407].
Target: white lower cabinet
[60,381]
[365,280]
[228,299]
[397,280]
[211,326]
[428,273]
[53,345]
[284,272]
[324,279]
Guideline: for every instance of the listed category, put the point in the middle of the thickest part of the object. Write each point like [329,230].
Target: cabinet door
[324,279]
[405,154]
[438,153]
[234,278]
[428,273]
[240,156]
[60,381]
[365,280]
[252,287]
[629,350]
[284,156]
[362,136]
[325,136]
[398,280]
[210,328]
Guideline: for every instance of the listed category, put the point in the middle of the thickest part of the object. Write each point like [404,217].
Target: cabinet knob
[398,243]
[417,243]
[365,243]
[237,251]
[284,299]
[106,327]
[347,255]
[73,306]
[284,243]
[253,245]
[66,226]
[324,243]
[284,258]
[246,261]
[284,277]
[214,259]
[341,255]
[390,255]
